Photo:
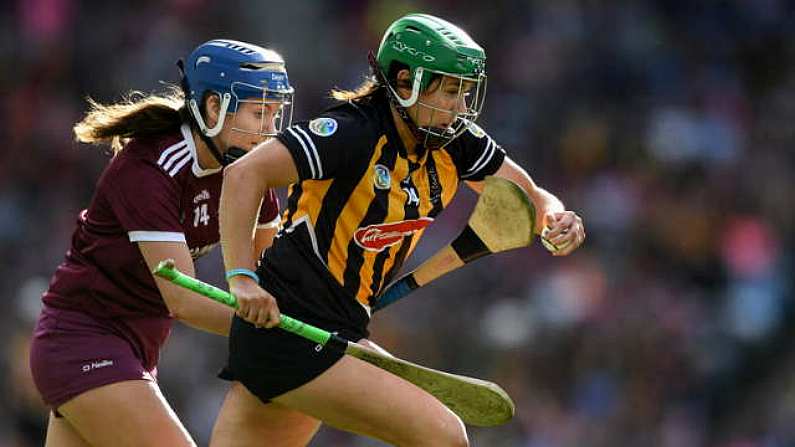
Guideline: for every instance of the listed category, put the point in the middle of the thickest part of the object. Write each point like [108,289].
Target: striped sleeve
[323,147]
[175,157]
[144,198]
[476,154]
[304,151]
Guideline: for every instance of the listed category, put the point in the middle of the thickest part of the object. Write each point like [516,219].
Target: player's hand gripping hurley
[476,402]
[503,219]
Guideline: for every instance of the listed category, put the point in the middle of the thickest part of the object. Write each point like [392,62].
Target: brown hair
[365,89]
[136,115]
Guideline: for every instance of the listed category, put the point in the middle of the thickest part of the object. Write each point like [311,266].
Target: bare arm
[184,305]
[565,228]
[268,165]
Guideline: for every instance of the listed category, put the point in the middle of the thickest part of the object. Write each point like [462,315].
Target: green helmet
[428,45]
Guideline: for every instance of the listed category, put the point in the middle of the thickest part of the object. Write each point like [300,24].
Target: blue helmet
[237,72]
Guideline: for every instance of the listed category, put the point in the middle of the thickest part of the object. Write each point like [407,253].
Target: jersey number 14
[200,214]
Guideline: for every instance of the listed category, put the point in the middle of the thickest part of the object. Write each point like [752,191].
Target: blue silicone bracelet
[243,272]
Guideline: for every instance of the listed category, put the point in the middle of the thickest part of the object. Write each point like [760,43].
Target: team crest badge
[323,127]
[475,130]
[381,177]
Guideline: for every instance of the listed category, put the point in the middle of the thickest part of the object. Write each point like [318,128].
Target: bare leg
[353,396]
[130,413]
[358,397]
[246,421]
[60,433]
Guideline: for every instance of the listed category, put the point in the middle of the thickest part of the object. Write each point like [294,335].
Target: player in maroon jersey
[95,347]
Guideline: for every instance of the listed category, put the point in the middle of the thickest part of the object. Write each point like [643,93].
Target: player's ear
[403,83]
[212,106]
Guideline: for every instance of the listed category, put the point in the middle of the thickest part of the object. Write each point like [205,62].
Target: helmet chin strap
[219,157]
[428,140]
[400,104]
[224,159]
[232,154]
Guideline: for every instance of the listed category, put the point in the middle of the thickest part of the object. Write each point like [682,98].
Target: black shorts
[270,362]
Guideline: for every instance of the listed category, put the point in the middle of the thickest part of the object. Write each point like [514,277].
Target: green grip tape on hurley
[305,330]
[167,270]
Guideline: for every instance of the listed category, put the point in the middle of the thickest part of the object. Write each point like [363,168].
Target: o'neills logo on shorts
[96,365]
[378,237]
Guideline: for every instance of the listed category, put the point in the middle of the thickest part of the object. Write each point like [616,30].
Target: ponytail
[137,115]
[375,82]
[365,89]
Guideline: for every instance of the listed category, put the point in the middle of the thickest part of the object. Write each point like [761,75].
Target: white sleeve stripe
[485,162]
[306,151]
[485,151]
[179,165]
[156,236]
[174,158]
[314,151]
[489,157]
[170,150]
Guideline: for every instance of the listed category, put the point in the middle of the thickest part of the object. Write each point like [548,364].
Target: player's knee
[456,434]
[451,433]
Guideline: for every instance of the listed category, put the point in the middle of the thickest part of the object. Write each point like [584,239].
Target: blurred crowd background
[668,125]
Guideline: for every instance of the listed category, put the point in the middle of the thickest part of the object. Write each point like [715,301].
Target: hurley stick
[476,402]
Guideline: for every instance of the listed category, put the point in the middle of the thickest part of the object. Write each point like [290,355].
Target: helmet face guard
[275,108]
[471,96]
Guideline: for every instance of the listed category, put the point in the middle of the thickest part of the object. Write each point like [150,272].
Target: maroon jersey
[153,190]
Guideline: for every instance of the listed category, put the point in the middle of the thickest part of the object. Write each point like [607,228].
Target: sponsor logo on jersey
[378,237]
[381,177]
[323,127]
[96,365]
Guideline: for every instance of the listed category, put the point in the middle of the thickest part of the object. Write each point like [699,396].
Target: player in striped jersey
[368,176]
[104,319]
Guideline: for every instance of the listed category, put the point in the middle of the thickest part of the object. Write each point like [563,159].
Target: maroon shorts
[72,352]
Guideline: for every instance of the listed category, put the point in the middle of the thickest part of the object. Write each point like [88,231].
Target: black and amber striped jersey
[362,202]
